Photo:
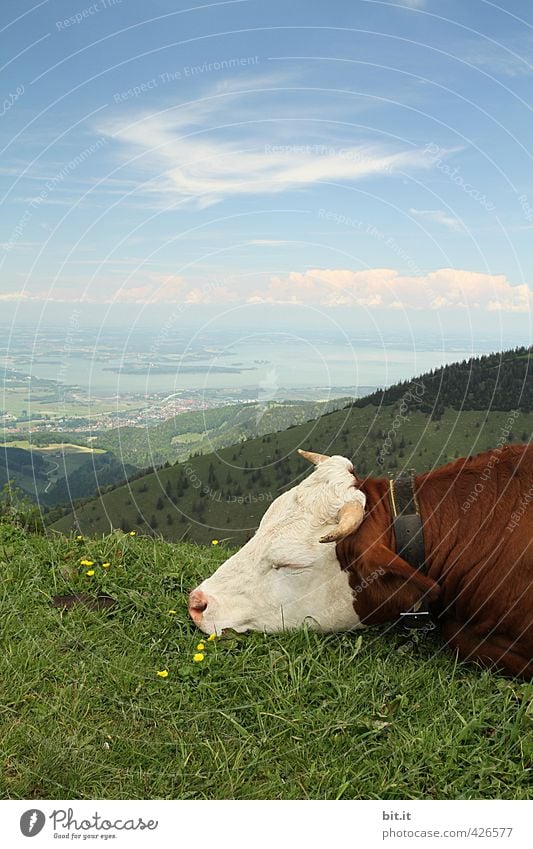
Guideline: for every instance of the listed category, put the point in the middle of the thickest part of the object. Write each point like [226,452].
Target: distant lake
[270,363]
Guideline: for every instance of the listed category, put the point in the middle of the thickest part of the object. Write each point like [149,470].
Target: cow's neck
[380,594]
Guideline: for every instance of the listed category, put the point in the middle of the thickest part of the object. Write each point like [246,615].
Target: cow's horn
[350,517]
[312,456]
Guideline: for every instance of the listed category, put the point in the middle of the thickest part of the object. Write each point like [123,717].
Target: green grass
[60,447]
[185,438]
[44,402]
[84,715]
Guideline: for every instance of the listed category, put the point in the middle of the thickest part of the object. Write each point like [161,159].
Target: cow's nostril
[197,601]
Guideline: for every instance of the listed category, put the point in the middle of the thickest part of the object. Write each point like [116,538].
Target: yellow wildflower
[79,536]
[90,572]
[106,565]
[211,637]
[171,612]
[163,673]
[200,646]
[214,542]
[198,657]
[86,562]
[133,533]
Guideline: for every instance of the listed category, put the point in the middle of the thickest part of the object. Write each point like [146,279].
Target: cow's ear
[349,517]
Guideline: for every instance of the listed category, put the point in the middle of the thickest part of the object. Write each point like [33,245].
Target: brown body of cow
[477,516]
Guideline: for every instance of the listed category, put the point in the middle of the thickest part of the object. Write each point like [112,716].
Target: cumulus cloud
[387,288]
[22,296]
[190,153]
[446,288]
[374,288]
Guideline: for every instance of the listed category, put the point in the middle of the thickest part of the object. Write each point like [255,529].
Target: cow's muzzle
[197,605]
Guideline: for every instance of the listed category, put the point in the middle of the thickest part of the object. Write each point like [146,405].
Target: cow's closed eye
[288,566]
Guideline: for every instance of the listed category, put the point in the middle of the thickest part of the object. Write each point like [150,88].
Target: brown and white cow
[314,560]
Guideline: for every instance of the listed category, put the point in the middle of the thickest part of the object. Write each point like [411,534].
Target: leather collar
[409,535]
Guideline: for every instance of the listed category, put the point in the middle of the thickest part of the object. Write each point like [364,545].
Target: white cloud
[446,288]
[375,288]
[232,143]
[21,296]
[439,217]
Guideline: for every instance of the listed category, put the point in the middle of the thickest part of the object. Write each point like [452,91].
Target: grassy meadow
[84,713]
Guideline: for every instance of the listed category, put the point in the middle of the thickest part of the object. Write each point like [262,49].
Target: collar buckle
[417,620]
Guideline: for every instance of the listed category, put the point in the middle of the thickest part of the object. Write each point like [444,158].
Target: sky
[362,159]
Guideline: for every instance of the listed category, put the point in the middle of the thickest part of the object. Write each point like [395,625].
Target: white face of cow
[285,576]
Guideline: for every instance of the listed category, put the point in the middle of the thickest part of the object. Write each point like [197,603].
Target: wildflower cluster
[90,563]
[198,656]
[200,648]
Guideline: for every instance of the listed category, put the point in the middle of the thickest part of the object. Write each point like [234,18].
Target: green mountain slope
[500,381]
[223,494]
[62,474]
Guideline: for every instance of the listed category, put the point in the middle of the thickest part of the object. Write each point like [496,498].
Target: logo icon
[32,822]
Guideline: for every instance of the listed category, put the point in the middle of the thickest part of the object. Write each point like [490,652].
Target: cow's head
[288,573]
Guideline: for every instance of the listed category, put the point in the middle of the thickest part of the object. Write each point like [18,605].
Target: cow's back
[478,526]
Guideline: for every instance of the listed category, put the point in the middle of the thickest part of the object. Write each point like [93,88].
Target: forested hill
[501,381]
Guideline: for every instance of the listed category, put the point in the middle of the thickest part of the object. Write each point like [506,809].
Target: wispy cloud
[504,59]
[438,216]
[194,153]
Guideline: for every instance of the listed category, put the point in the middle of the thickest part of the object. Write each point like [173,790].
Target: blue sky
[372,158]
